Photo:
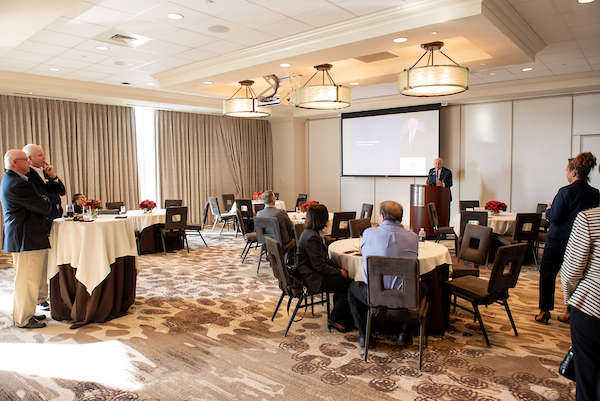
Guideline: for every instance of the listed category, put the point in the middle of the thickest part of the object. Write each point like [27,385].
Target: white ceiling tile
[65,62]
[325,16]
[75,27]
[131,6]
[564,64]
[361,7]
[586,31]
[548,23]
[104,16]
[285,28]
[594,61]
[474,80]
[41,48]
[221,47]
[160,12]
[196,55]
[586,43]
[558,35]
[591,52]
[188,38]
[112,60]
[141,55]
[80,55]
[27,56]
[579,18]
[106,69]
[15,65]
[252,38]
[291,8]
[88,75]
[44,70]
[565,6]
[560,56]
[563,46]
[56,38]
[114,80]
[79,9]
[146,27]
[213,8]
[252,16]
[91,44]
[163,65]
[202,28]
[162,47]
[572,70]
[535,9]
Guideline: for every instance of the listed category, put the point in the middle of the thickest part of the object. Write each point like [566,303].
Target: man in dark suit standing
[439,175]
[24,236]
[47,183]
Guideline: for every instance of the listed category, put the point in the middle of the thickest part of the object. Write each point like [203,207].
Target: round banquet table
[300,217]
[92,267]
[430,256]
[141,220]
[502,224]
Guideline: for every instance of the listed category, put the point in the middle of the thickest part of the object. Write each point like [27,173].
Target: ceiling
[51,49]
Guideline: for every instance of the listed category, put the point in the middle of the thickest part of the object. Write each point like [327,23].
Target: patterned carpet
[201,329]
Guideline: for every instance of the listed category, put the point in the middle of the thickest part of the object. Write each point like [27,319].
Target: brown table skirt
[150,241]
[69,299]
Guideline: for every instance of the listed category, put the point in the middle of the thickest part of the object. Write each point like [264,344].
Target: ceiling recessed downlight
[151,83]
[101,48]
[527,69]
[491,73]
[208,82]
[434,32]
[400,40]
[285,65]
[53,69]
[219,29]
[354,83]
[123,63]
[175,16]
[125,84]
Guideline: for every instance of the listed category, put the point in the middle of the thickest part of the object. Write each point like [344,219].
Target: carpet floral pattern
[201,329]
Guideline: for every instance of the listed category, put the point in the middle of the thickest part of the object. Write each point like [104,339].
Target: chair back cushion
[176,218]
[240,219]
[267,226]
[357,226]
[228,200]
[173,202]
[465,217]
[214,207]
[340,228]
[108,211]
[366,212]
[433,217]
[475,244]
[467,204]
[407,272]
[290,285]
[258,207]
[298,230]
[527,227]
[114,205]
[205,213]
[302,198]
[507,267]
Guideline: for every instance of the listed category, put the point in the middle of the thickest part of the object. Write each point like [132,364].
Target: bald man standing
[24,236]
[46,182]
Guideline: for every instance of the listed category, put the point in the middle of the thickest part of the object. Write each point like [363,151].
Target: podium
[420,196]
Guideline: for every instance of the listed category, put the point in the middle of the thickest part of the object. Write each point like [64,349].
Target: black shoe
[339,327]
[45,306]
[405,340]
[361,342]
[39,317]
[34,324]
[544,319]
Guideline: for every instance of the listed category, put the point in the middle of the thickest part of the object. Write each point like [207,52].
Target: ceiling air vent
[371,58]
[121,38]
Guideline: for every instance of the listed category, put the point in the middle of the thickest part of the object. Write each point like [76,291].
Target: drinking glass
[87,212]
[69,211]
[123,209]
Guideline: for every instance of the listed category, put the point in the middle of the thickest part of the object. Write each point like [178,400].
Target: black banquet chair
[340,228]
[268,227]
[173,202]
[440,232]
[357,226]
[366,211]
[463,205]
[302,198]
[114,205]
[175,225]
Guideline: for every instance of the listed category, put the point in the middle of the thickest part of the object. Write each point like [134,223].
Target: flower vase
[495,213]
[95,213]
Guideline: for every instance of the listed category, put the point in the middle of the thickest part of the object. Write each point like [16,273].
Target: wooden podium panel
[420,196]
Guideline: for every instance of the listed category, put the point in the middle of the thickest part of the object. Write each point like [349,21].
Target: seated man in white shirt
[390,238]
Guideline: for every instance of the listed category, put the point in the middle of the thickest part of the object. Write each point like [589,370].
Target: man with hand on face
[44,179]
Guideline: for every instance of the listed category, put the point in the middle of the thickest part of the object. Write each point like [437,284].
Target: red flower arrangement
[304,207]
[147,205]
[92,203]
[257,196]
[495,206]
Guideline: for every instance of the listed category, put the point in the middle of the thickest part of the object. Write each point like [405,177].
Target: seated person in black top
[78,201]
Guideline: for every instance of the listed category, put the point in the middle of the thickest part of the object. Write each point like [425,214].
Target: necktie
[437,175]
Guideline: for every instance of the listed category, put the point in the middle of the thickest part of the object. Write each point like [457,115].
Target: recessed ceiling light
[53,69]
[151,83]
[491,73]
[208,82]
[354,83]
[527,69]
[434,32]
[219,29]
[285,65]
[123,63]
[400,40]
[125,83]
[175,16]
[585,1]
[101,48]
[482,63]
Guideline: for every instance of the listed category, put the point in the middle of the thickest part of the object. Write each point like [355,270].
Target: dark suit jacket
[53,190]
[312,261]
[420,146]
[285,224]
[24,214]
[445,177]
[569,201]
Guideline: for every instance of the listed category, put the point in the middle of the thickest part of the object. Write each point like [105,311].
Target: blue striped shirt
[580,272]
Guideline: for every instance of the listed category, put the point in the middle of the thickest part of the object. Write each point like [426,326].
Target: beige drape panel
[201,156]
[92,147]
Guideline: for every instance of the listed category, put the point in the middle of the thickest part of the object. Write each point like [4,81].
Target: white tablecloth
[430,256]
[141,220]
[279,204]
[90,247]
[299,218]
[502,224]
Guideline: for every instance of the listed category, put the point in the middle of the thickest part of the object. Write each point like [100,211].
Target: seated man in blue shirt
[389,239]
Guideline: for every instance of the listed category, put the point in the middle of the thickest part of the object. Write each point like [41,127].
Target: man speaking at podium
[439,176]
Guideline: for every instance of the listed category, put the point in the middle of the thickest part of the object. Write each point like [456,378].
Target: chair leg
[223,226]
[262,251]
[478,316]
[200,234]
[510,316]
[244,250]
[162,237]
[421,330]
[187,244]
[278,305]
[302,297]
[367,335]
[214,225]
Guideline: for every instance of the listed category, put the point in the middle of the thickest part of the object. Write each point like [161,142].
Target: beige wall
[512,151]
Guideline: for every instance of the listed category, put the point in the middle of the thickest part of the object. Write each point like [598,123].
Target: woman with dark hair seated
[78,200]
[319,272]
